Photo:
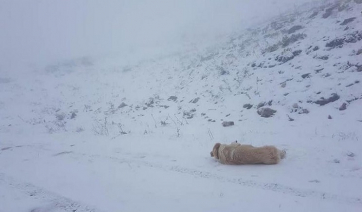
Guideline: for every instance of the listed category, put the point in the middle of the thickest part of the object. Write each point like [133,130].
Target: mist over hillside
[42,32]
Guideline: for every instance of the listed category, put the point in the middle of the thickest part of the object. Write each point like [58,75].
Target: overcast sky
[40,31]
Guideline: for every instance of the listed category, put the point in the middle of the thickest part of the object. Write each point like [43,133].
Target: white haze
[37,32]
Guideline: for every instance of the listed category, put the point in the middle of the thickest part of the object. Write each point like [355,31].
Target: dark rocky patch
[324,57]
[195,100]
[348,20]
[318,70]
[73,115]
[315,48]
[122,105]
[323,101]
[189,114]
[349,38]
[227,123]
[294,29]
[266,112]
[307,75]
[343,106]
[329,117]
[276,25]
[172,98]
[286,58]
[359,68]
[5,148]
[261,104]
[329,11]
[247,106]
[286,41]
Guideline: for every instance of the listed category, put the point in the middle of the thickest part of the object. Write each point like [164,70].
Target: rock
[323,101]
[195,100]
[353,37]
[304,111]
[295,105]
[289,118]
[73,115]
[122,105]
[261,104]
[307,75]
[359,68]
[172,98]
[335,43]
[336,161]
[247,106]
[266,112]
[227,123]
[329,117]
[283,84]
[348,20]
[324,57]
[294,29]
[315,48]
[343,106]
[317,71]
[350,154]
[329,11]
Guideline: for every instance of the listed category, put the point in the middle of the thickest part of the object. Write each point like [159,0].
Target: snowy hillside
[102,134]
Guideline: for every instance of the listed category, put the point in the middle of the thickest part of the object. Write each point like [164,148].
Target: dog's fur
[236,154]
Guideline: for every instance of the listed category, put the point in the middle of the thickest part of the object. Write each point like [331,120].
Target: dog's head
[215,150]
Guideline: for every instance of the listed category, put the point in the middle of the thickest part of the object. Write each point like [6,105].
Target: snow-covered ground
[99,134]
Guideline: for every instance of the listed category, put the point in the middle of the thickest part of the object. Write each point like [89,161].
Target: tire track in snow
[276,187]
[55,201]
[209,175]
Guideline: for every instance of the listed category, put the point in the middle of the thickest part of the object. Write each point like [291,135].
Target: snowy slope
[105,135]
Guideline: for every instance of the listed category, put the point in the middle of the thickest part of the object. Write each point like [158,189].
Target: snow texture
[98,134]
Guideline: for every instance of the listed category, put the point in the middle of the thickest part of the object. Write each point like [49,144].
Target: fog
[37,32]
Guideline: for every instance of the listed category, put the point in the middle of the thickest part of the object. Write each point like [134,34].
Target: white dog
[236,154]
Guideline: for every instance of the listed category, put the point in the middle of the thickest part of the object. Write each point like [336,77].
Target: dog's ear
[215,150]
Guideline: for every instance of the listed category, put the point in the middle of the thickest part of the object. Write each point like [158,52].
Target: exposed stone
[227,123]
[343,106]
[195,100]
[329,117]
[307,75]
[323,101]
[172,98]
[350,154]
[122,105]
[348,20]
[261,104]
[266,112]
[247,106]
[294,29]
[295,105]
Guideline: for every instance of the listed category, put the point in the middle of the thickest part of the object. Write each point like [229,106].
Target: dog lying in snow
[236,154]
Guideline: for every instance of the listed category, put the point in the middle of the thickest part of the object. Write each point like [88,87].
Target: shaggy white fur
[236,153]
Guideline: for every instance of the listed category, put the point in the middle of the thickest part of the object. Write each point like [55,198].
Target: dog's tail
[283,154]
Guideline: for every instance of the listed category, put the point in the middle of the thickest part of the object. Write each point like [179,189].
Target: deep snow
[67,143]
